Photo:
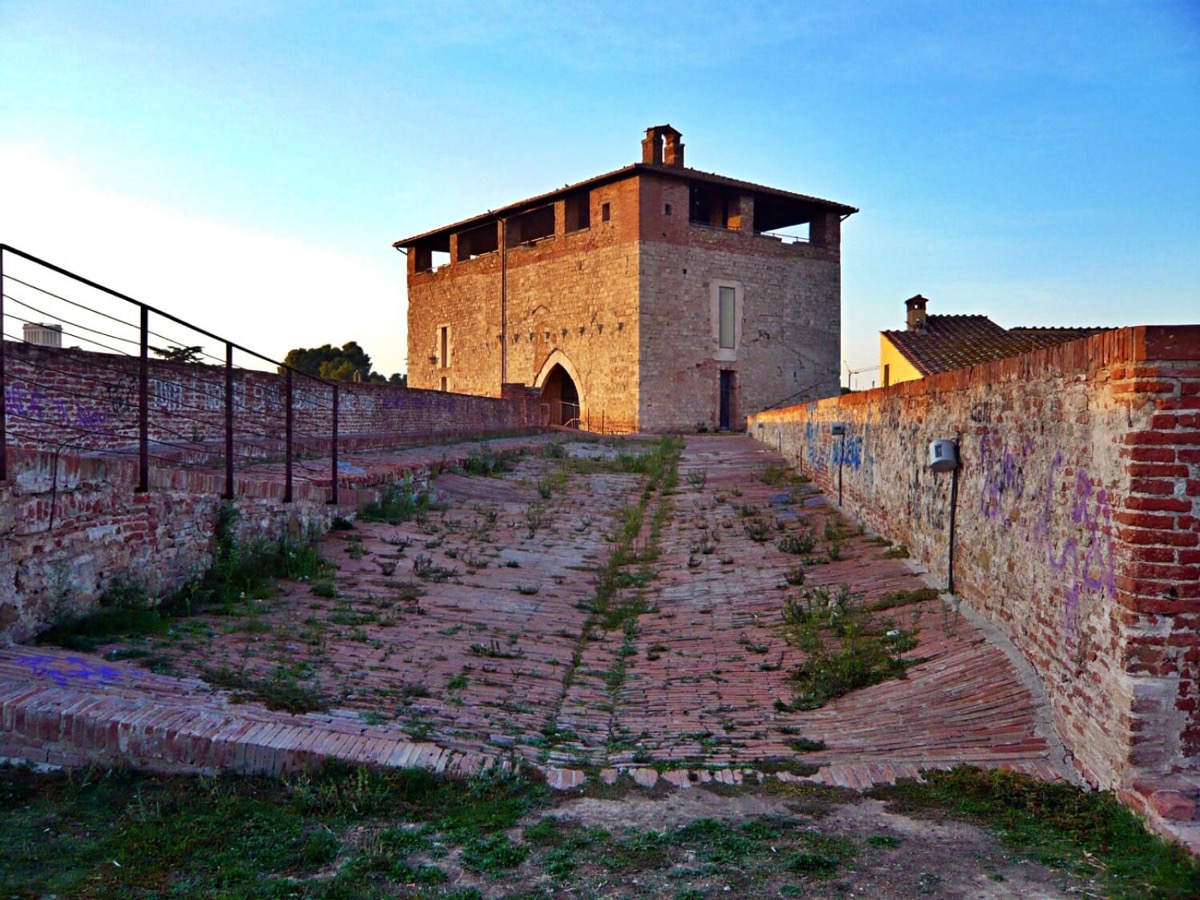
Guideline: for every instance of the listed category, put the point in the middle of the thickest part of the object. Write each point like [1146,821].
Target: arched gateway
[560,391]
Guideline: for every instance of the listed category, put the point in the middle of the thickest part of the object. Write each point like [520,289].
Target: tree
[178,354]
[338,364]
[327,361]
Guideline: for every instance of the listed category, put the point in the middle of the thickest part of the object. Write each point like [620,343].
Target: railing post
[228,420]
[3,383]
[144,404]
[287,490]
[333,497]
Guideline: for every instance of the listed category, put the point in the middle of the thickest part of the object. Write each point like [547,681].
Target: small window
[444,346]
[887,374]
[727,309]
[445,383]
[666,209]
[605,212]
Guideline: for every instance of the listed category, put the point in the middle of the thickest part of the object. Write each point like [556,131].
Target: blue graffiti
[63,670]
[34,403]
[848,451]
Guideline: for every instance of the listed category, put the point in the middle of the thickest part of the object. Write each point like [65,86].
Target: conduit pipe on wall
[838,429]
[504,303]
[943,457]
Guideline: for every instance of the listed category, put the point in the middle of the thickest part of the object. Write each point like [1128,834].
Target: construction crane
[850,373]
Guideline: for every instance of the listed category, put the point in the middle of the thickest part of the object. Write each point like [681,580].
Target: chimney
[916,312]
[662,146]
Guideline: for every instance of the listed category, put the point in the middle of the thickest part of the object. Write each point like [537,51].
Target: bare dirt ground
[896,856]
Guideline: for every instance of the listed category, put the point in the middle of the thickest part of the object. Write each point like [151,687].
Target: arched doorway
[562,396]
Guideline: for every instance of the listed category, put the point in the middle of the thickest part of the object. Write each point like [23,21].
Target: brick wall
[70,517]
[84,400]
[1077,527]
[73,525]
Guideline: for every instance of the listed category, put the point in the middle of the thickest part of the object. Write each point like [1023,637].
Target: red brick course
[1077,529]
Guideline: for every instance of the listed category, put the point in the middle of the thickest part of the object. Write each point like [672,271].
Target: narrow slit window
[726,318]
[444,346]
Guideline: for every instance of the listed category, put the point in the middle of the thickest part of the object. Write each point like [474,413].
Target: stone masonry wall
[72,526]
[71,521]
[1077,528]
[790,315]
[626,305]
[570,299]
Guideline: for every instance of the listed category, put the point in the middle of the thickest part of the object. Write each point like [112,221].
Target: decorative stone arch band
[560,384]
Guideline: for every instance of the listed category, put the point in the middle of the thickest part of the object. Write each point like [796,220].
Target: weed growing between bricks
[399,502]
[239,574]
[344,831]
[846,649]
[618,600]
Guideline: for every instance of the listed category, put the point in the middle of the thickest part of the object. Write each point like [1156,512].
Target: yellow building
[931,345]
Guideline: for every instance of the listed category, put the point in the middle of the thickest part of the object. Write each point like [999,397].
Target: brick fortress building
[655,297]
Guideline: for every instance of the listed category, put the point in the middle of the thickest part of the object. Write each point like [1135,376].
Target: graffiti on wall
[852,450]
[1002,468]
[31,402]
[1085,558]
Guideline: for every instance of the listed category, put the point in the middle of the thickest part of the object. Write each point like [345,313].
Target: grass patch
[398,502]
[798,544]
[283,689]
[1057,825]
[345,831]
[239,573]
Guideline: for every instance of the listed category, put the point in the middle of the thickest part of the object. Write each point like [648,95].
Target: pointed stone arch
[561,389]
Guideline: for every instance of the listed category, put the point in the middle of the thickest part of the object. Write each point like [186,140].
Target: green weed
[1057,825]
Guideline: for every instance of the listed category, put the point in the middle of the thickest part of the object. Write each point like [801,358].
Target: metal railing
[105,399]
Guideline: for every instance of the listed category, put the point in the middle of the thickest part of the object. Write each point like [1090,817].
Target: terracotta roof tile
[955,342]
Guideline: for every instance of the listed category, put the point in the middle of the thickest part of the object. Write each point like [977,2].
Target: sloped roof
[943,343]
[679,172]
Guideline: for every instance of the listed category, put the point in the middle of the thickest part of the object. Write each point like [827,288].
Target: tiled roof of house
[942,343]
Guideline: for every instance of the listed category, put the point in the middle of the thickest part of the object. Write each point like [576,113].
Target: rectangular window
[477,241]
[444,346]
[531,227]
[445,383]
[577,212]
[887,375]
[726,318]
[605,212]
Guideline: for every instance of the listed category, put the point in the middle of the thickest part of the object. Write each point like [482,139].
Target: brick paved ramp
[502,656]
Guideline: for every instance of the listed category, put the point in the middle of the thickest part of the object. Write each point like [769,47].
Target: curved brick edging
[64,709]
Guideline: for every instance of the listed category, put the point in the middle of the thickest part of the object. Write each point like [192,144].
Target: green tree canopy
[338,364]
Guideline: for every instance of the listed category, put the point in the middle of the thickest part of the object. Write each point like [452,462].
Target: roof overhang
[774,200]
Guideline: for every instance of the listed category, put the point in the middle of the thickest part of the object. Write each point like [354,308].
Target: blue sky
[246,165]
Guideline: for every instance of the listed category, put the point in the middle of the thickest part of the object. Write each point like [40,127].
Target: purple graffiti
[1090,566]
[34,403]
[1003,475]
[63,670]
